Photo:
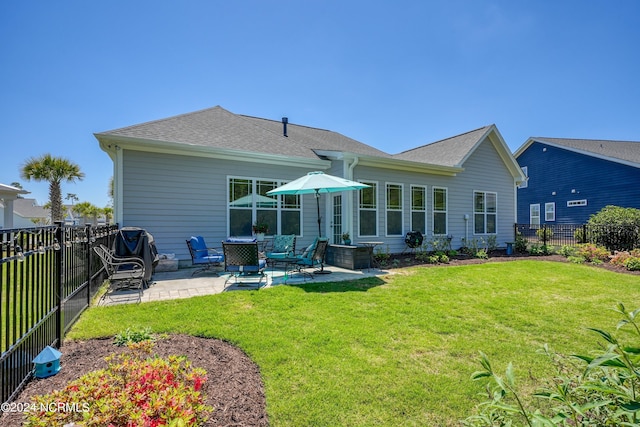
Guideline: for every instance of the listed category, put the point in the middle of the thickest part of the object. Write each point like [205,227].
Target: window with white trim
[534,214]
[419,208]
[439,211]
[394,209]
[485,212]
[550,211]
[574,203]
[249,204]
[368,210]
[525,183]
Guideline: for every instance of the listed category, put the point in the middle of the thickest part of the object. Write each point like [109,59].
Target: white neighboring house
[183,175]
[26,213]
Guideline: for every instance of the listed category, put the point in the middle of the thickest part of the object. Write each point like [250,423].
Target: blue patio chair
[241,259]
[313,256]
[284,246]
[201,256]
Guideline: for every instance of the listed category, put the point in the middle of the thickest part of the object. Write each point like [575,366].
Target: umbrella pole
[321,271]
[318,208]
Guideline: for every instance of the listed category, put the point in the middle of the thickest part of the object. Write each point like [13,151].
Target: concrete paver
[181,284]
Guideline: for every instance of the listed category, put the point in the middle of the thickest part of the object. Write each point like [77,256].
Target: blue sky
[392,74]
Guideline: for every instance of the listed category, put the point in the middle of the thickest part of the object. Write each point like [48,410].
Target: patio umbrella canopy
[316,183]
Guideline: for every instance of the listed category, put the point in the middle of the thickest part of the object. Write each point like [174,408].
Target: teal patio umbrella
[316,183]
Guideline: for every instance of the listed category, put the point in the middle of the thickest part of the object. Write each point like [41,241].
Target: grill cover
[133,241]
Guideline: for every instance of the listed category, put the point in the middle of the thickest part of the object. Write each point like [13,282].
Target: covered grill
[137,242]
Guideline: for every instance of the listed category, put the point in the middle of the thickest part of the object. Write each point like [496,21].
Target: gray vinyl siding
[484,171]
[175,197]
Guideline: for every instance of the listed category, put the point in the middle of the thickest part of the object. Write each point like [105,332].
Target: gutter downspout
[349,205]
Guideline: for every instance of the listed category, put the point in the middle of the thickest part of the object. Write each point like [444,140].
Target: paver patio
[181,284]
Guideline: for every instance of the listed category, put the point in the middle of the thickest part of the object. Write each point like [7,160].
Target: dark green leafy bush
[599,389]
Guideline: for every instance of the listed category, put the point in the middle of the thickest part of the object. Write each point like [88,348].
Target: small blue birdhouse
[47,363]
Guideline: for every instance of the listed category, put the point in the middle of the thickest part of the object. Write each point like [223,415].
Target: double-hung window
[419,209]
[550,211]
[439,211]
[368,210]
[485,212]
[394,210]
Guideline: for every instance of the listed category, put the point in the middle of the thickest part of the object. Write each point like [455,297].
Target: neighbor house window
[534,214]
[439,210]
[485,212]
[249,204]
[368,210]
[525,183]
[419,209]
[394,210]
[550,211]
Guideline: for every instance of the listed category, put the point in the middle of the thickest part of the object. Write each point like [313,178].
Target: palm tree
[54,170]
[87,209]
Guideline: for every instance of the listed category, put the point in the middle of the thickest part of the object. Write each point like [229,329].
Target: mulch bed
[234,387]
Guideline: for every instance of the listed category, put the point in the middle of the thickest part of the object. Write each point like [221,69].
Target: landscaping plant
[134,391]
[604,390]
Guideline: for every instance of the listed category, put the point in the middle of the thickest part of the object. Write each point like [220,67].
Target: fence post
[90,241]
[544,234]
[58,282]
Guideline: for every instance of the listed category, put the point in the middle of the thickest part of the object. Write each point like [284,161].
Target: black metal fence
[614,238]
[49,276]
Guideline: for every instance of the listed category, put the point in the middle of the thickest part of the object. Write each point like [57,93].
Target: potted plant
[259,229]
[346,238]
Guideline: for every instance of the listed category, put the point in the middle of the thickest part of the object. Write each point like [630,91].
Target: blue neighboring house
[568,180]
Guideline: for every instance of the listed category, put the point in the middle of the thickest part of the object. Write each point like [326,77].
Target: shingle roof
[221,129]
[628,151]
[447,152]
[218,128]
[318,139]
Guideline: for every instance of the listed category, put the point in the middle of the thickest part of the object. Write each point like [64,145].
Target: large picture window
[368,210]
[485,212]
[419,209]
[439,211]
[249,204]
[394,210]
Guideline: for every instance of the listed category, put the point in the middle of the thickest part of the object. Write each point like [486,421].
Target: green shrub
[544,233]
[615,227]
[600,390]
[134,390]
[576,259]
[133,336]
[382,256]
[482,254]
[632,264]
[521,243]
[567,250]
[443,258]
[540,249]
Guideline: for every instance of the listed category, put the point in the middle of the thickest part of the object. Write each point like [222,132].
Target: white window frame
[279,208]
[485,212]
[576,203]
[525,183]
[423,211]
[388,209]
[374,209]
[532,216]
[434,211]
[550,211]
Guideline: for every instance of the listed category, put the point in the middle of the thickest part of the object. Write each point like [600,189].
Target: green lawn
[392,352]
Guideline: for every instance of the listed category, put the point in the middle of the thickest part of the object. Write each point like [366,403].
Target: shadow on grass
[359,285]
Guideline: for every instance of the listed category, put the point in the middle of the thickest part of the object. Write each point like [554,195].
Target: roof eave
[530,141]
[109,143]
